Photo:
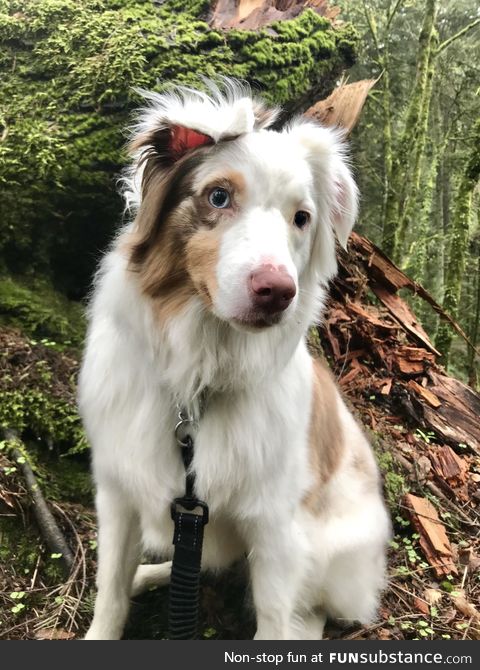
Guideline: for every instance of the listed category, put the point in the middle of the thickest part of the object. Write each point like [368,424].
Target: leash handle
[190,516]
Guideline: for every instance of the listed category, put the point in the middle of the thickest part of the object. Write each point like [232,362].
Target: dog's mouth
[255,322]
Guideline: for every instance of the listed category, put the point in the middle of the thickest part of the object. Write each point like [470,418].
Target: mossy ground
[33,306]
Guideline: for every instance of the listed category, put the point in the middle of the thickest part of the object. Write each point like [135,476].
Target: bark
[255,14]
[49,529]
[472,368]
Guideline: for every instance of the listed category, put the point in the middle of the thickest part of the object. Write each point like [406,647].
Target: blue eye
[219,198]
[301,219]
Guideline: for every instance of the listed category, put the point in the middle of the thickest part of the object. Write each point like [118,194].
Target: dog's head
[241,216]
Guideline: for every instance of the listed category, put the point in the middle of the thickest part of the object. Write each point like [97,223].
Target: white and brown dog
[211,289]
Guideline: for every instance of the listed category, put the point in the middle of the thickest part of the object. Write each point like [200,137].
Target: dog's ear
[264,116]
[182,140]
[335,186]
[167,143]
[345,208]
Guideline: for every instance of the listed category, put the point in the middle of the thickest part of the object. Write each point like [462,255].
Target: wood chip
[404,315]
[448,465]
[424,393]
[411,360]
[433,537]
[387,386]
[350,376]
[370,315]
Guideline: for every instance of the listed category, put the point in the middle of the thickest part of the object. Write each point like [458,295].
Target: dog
[204,302]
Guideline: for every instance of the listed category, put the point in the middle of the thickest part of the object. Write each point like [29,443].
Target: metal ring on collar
[181,435]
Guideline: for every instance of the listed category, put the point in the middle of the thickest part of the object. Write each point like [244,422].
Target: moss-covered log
[68,68]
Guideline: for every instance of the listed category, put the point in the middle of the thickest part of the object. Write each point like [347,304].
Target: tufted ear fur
[346,203]
[327,154]
[184,121]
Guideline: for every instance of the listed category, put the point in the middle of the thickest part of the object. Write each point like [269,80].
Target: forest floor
[430,483]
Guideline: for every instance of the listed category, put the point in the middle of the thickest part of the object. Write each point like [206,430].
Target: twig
[46,522]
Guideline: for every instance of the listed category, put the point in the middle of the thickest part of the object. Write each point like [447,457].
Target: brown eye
[301,219]
[219,198]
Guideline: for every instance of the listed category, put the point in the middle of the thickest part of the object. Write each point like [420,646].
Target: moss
[67,480]
[47,418]
[17,544]
[37,392]
[40,311]
[394,483]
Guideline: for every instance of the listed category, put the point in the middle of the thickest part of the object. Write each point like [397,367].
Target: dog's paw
[97,633]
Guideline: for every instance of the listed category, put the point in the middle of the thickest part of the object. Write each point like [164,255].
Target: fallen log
[255,14]
[384,272]
[398,360]
[46,522]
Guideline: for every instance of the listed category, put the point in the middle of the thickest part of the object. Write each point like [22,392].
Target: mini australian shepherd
[208,293]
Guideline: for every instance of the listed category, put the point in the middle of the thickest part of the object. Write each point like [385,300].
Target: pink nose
[272,288]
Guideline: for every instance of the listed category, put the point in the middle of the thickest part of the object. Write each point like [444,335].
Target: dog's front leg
[118,557]
[276,562]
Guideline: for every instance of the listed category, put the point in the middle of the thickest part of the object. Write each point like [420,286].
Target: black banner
[213,655]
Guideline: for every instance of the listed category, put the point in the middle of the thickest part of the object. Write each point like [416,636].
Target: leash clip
[191,506]
[183,427]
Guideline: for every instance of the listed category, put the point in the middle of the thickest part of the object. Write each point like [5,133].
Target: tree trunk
[458,244]
[475,328]
[410,147]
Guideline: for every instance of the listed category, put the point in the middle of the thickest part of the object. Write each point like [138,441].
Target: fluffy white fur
[252,460]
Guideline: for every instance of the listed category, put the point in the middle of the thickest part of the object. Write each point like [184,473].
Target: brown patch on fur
[174,249]
[326,434]
[202,257]
[237,182]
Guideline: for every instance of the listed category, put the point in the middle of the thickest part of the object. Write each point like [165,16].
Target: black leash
[190,516]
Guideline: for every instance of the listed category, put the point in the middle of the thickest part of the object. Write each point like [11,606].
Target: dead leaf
[474,563]
[54,634]
[421,606]
[384,612]
[432,596]
[464,607]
